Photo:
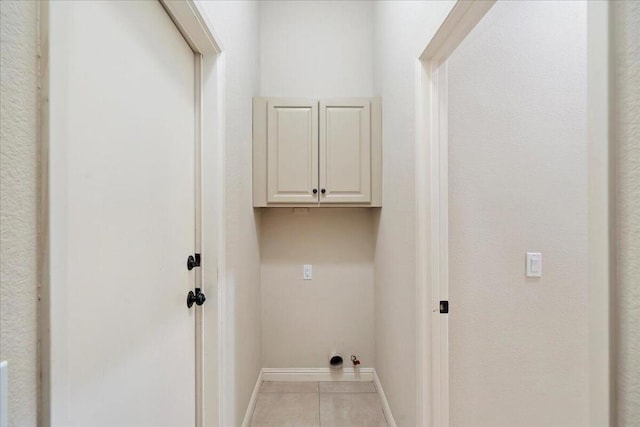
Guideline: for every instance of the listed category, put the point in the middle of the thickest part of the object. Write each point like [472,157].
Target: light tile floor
[318,404]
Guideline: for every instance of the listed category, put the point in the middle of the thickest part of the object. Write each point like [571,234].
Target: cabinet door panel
[345,151]
[292,152]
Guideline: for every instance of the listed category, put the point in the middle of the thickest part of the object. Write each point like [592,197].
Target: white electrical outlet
[307,272]
[534,264]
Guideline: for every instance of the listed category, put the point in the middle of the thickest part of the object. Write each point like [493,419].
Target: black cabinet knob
[315,191]
[323,191]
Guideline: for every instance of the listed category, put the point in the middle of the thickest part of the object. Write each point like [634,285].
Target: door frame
[432,252]
[210,134]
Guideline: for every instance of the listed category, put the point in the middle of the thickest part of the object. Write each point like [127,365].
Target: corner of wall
[237,23]
[19,187]
[626,134]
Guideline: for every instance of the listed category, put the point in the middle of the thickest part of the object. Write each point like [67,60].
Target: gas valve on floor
[355,360]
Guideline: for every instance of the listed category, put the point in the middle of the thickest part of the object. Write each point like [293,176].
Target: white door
[292,151]
[345,151]
[122,216]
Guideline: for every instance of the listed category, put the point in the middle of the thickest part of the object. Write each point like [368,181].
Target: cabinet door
[292,151]
[345,151]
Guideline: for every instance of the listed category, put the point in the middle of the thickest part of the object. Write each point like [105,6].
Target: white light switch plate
[307,272]
[534,264]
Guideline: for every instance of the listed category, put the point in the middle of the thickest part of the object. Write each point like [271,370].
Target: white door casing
[432,210]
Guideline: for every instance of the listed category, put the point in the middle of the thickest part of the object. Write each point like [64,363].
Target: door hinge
[193,261]
[444,307]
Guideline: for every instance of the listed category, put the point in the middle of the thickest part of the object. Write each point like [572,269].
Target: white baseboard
[385,404]
[252,402]
[317,374]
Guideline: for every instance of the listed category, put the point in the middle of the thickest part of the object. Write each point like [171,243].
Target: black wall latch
[193,262]
[444,307]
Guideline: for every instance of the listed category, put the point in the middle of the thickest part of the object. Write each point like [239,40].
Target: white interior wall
[316,49]
[19,206]
[626,128]
[517,184]
[236,23]
[303,321]
[402,31]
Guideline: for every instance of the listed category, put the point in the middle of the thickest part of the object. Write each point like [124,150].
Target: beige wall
[626,125]
[402,30]
[394,62]
[236,23]
[517,184]
[19,206]
[304,320]
[316,49]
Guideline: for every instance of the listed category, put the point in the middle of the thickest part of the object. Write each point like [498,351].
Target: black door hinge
[193,261]
[444,307]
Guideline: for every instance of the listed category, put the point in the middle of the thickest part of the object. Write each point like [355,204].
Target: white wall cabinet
[317,152]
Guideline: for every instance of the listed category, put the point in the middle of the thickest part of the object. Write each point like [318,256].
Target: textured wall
[402,30]
[316,49]
[408,24]
[236,23]
[303,321]
[518,183]
[18,206]
[626,122]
